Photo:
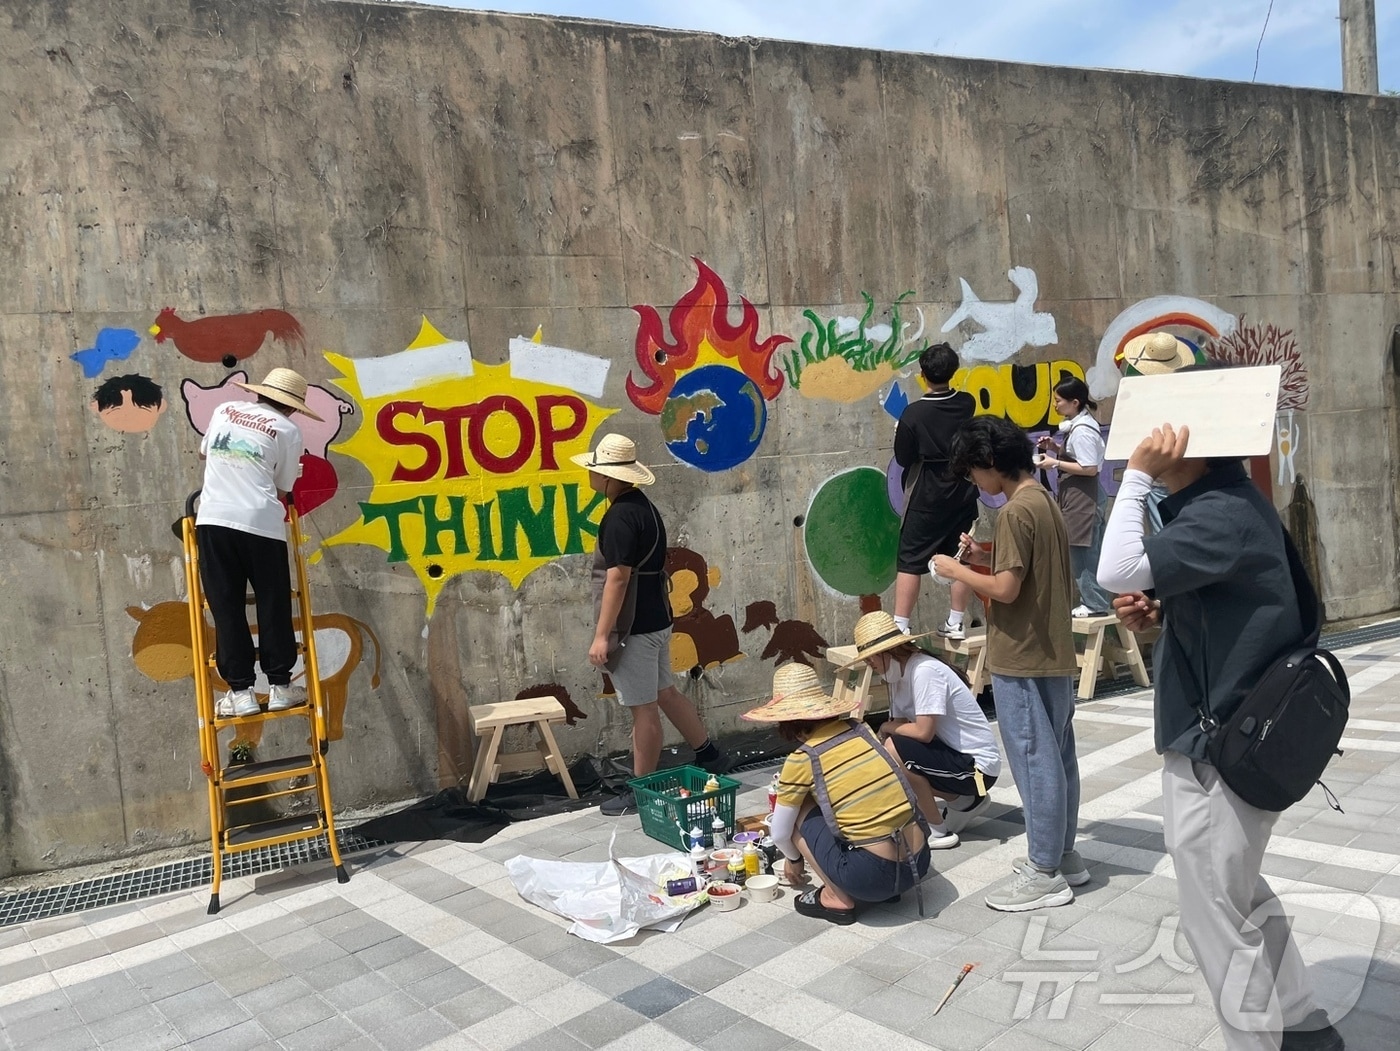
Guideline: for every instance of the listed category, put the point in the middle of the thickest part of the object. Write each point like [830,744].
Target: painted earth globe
[714,418]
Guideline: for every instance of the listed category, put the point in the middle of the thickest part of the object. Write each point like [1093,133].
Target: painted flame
[700,335]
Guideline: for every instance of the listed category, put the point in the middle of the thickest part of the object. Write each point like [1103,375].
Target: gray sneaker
[1033,889]
[1072,868]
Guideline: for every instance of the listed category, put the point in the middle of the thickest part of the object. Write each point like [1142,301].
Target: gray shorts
[643,668]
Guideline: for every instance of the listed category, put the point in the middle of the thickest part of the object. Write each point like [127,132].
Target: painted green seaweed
[861,352]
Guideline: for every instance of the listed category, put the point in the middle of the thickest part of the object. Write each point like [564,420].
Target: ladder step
[278,828]
[267,770]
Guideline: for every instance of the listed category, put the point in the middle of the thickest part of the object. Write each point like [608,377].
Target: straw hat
[616,457]
[285,387]
[797,694]
[1158,353]
[877,632]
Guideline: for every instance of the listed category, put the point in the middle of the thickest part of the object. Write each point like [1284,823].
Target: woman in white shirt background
[936,729]
[1081,498]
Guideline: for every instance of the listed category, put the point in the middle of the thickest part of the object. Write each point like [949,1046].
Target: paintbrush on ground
[956,982]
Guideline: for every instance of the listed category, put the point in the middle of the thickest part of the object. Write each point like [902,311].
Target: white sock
[938,831]
[902,623]
[955,617]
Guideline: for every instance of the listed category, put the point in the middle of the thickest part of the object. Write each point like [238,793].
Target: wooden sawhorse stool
[1099,653]
[842,689]
[974,648]
[490,721]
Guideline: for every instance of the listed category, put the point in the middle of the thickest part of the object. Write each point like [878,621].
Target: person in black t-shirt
[632,636]
[938,508]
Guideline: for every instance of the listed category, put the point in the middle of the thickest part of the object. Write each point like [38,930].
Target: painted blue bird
[112,344]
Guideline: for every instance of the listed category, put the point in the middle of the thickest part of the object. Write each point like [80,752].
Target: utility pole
[1359,73]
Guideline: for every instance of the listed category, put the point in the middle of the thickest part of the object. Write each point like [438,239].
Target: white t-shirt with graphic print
[927,686]
[251,452]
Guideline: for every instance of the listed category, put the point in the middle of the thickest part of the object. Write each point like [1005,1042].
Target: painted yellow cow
[161,651]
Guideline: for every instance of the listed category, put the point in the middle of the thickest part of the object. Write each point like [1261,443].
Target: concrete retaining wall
[417,182]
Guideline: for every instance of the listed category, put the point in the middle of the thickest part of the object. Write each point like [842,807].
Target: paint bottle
[769,847]
[737,873]
[697,837]
[685,885]
[717,832]
[773,793]
[698,857]
[753,861]
[712,785]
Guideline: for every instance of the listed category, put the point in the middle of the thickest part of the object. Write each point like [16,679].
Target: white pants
[1233,922]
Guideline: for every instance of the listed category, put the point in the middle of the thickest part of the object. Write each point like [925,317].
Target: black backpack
[1277,743]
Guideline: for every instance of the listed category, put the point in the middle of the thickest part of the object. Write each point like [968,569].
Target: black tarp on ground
[448,815]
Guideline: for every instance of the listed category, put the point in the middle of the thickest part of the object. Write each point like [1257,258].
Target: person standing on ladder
[252,454]
[632,635]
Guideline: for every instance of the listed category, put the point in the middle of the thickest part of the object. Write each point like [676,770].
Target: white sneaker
[951,631]
[237,704]
[956,819]
[947,841]
[280,698]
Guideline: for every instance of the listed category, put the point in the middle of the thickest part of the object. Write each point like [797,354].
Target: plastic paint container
[742,839]
[724,896]
[762,888]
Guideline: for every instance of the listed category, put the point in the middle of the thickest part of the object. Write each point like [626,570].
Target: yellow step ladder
[287,777]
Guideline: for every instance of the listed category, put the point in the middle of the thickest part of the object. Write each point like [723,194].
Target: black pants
[230,560]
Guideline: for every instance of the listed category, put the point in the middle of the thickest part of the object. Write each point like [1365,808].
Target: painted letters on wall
[470,462]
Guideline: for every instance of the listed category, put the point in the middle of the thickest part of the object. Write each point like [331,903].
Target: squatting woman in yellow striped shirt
[844,807]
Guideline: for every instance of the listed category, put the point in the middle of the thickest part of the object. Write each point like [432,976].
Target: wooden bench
[490,722]
[853,683]
[974,650]
[1099,653]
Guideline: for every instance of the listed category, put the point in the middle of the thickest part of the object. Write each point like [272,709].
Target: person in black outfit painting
[632,634]
[938,508]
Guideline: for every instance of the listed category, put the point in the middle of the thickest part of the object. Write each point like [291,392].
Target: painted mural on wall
[161,650]
[111,344]
[699,639]
[1005,328]
[851,533]
[1204,320]
[708,379]
[227,339]
[790,640]
[318,481]
[845,359]
[572,712]
[470,462]
[130,404]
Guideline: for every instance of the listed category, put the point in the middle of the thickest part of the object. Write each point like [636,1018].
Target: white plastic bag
[607,900]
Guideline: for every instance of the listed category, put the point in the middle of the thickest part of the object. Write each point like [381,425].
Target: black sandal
[810,904]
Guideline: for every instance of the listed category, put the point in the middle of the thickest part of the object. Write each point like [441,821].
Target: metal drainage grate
[28,906]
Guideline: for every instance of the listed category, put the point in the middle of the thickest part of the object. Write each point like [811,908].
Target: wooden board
[1230,412]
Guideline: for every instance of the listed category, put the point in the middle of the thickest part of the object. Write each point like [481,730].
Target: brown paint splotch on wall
[227,339]
[130,404]
[572,712]
[792,640]
[162,650]
[699,639]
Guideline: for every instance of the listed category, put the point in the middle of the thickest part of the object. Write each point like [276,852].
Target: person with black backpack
[1219,579]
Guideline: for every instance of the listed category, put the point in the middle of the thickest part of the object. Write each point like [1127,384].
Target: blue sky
[1203,38]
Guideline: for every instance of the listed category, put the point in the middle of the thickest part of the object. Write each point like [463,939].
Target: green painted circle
[852,533]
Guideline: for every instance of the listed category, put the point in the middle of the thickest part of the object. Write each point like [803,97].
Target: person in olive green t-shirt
[1030,652]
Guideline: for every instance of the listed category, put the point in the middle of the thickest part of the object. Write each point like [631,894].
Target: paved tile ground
[429,946]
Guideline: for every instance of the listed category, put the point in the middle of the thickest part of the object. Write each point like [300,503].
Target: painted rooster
[227,338]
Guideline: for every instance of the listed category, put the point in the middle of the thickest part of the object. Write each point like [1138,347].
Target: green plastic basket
[664,812]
